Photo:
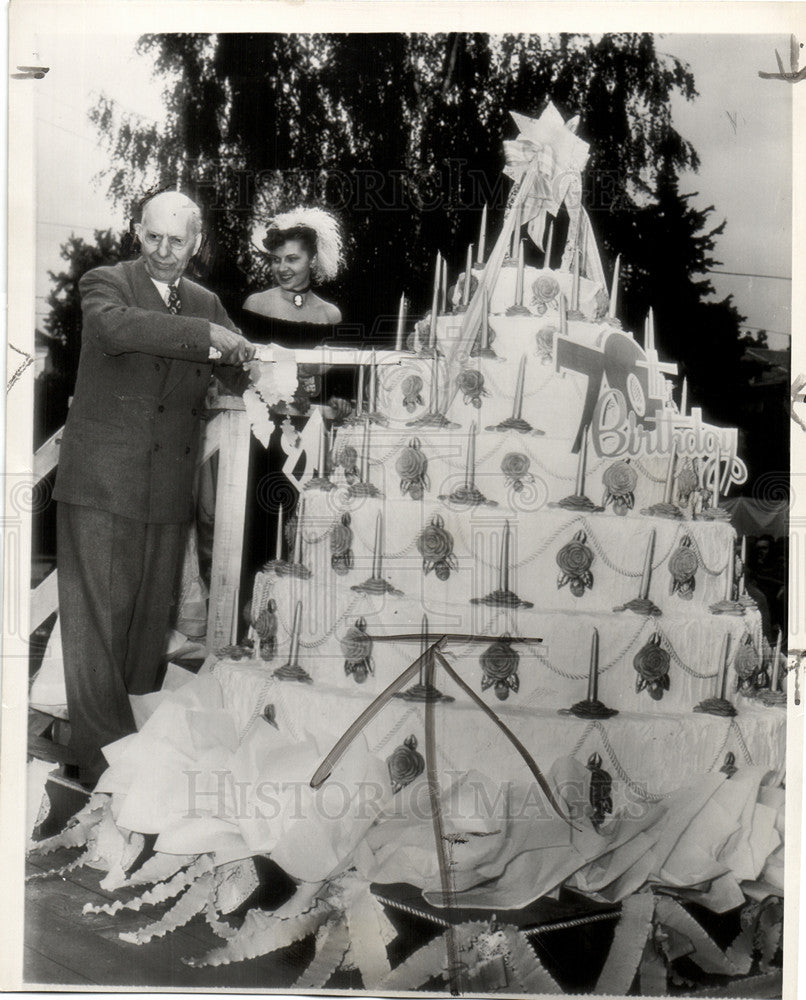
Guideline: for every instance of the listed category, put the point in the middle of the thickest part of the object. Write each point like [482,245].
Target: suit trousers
[118,581]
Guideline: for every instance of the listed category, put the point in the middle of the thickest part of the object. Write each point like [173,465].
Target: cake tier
[617,546]
[647,756]
[551,675]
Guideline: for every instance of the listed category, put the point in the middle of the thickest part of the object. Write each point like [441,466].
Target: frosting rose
[470,382]
[652,662]
[405,764]
[515,464]
[499,661]
[544,341]
[411,385]
[411,463]
[745,662]
[575,558]
[356,645]
[545,288]
[619,478]
[683,563]
[435,543]
[341,537]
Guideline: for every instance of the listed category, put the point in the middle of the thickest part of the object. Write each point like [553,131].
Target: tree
[63,327]
[405,144]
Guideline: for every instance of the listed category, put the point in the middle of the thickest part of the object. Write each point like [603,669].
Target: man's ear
[197,243]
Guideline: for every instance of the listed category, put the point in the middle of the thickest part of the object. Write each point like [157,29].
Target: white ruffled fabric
[207,773]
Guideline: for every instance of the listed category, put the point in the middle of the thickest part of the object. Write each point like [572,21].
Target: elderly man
[124,482]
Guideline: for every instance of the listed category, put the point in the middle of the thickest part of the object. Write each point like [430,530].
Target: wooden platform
[62,946]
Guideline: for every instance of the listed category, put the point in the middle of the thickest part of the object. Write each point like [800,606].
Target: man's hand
[235,349]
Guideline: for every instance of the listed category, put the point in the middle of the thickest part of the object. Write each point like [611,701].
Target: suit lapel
[177,368]
[145,291]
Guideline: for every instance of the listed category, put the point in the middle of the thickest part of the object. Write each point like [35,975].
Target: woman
[303,246]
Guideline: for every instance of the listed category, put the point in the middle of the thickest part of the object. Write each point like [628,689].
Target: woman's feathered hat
[329,253]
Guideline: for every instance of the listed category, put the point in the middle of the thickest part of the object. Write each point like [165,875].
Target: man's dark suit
[124,486]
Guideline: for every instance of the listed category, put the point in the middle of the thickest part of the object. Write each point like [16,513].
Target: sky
[740,126]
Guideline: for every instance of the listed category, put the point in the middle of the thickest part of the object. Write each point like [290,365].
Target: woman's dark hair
[275,238]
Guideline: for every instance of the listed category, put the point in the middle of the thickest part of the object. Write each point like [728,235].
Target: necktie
[174,302]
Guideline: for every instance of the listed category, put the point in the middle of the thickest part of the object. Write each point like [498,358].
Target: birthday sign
[624,407]
[616,431]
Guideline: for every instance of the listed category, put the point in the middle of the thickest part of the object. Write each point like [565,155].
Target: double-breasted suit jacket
[132,434]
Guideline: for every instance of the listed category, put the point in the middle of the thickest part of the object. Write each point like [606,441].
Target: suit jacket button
[156,447]
[160,408]
[198,372]
[156,366]
[187,450]
[194,412]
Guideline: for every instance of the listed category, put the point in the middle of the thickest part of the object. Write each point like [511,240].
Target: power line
[745,274]
[70,225]
[78,135]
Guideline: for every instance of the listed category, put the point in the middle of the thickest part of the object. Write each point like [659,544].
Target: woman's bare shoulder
[330,311]
[261,302]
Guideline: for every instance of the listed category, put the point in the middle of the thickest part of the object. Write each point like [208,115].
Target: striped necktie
[174,302]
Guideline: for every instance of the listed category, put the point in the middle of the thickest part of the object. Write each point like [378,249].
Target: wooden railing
[227,432]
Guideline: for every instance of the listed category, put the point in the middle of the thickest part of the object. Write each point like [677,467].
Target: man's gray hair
[179,202]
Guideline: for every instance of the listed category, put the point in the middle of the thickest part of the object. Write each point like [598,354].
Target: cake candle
[364,470]
[233,637]
[575,284]
[579,487]
[593,673]
[503,566]
[519,276]
[611,312]
[729,574]
[321,462]
[470,464]
[468,269]
[373,383]
[722,676]
[563,307]
[432,340]
[443,287]
[717,471]
[401,323]
[279,544]
[549,245]
[377,552]
[684,398]
[650,330]
[424,644]
[485,320]
[359,403]
[433,393]
[516,232]
[646,572]
[669,485]
[298,531]
[517,403]
[482,236]
[296,626]
[776,663]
